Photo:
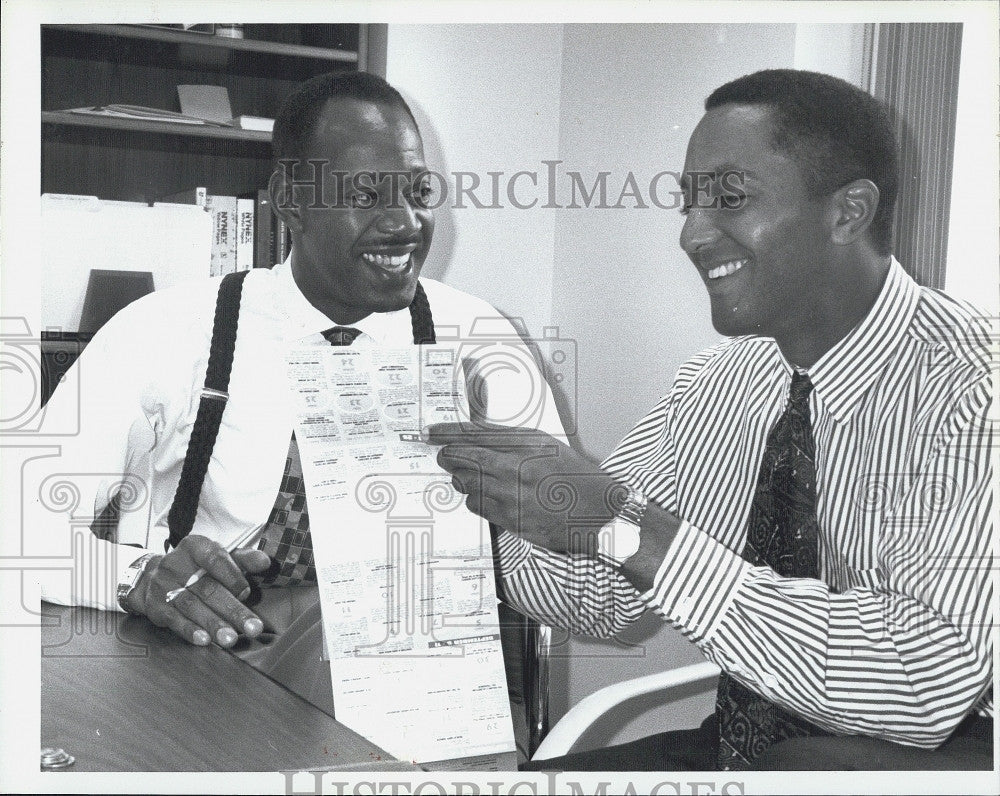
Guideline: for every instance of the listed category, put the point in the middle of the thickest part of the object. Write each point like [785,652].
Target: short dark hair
[296,121]
[834,130]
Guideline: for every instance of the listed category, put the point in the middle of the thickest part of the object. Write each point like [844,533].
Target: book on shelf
[225,225]
[282,242]
[245,208]
[246,233]
[264,232]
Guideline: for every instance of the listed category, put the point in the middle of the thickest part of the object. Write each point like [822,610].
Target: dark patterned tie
[782,533]
[286,538]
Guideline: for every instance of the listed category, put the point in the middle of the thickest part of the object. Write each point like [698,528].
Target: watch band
[619,539]
[634,507]
[132,575]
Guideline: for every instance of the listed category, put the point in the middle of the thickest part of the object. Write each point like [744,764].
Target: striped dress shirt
[895,638]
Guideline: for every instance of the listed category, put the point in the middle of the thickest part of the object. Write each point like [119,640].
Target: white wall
[486,98]
[838,50]
[973,252]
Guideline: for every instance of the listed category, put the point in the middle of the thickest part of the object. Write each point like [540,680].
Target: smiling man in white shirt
[352,277]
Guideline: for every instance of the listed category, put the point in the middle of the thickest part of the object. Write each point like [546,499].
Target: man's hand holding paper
[527,482]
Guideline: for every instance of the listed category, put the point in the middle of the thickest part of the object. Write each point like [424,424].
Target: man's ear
[283,199]
[854,207]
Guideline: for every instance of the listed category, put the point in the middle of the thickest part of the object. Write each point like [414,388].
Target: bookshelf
[139,160]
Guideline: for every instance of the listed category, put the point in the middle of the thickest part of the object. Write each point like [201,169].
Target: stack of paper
[84,232]
[140,112]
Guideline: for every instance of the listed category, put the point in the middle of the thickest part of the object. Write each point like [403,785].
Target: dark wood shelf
[150,126]
[139,160]
[172,36]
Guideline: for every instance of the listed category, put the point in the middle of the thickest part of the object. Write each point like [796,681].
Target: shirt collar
[385,329]
[842,375]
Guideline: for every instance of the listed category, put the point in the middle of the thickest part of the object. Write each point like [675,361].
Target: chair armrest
[588,710]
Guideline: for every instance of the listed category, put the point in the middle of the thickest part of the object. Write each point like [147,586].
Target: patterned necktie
[286,538]
[782,533]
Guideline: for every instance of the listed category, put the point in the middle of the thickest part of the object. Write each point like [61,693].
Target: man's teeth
[726,269]
[386,261]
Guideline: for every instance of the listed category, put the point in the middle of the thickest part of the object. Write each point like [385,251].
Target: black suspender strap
[421,320]
[214,397]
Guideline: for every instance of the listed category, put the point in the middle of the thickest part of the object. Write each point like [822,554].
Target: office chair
[526,645]
[571,727]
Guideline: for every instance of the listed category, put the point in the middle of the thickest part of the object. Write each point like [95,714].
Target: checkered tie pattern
[286,539]
[782,533]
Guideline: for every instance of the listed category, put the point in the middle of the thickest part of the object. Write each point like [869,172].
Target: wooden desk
[120,694]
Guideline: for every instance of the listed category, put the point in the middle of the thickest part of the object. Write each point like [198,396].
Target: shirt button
[770,681]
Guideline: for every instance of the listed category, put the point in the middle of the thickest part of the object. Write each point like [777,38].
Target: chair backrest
[526,646]
[537,640]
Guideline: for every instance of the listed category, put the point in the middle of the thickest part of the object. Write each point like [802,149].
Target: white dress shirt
[141,379]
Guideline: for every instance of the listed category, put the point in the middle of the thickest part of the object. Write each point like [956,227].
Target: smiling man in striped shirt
[811,504]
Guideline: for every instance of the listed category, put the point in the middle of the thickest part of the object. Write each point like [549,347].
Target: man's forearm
[577,592]
[796,642]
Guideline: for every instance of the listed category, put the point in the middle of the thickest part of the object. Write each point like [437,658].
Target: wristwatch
[130,579]
[619,539]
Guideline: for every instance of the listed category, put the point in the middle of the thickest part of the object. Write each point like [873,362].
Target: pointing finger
[486,435]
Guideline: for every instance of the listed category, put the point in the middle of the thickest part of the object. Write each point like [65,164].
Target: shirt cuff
[91,579]
[696,583]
